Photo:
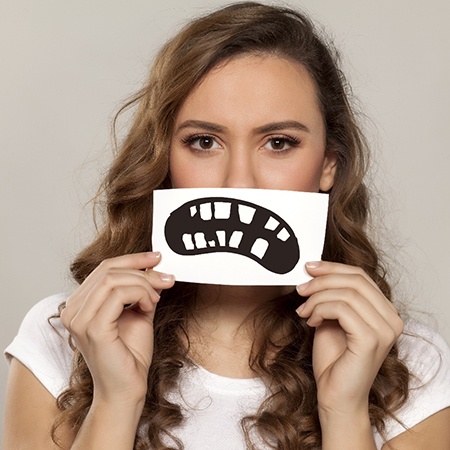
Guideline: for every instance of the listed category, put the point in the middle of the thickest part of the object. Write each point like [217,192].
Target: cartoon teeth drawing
[221,224]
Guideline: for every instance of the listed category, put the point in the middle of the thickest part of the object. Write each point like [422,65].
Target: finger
[317,268]
[343,276]
[137,261]
[91,326]
[361,338]
[132,261]
[159,280]
[113,307]
[383,322]
[354,282]
[86,309]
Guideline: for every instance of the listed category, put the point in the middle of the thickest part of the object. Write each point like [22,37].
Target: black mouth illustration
[220,224]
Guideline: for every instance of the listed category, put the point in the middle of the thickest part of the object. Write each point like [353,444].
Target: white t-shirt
[213,405]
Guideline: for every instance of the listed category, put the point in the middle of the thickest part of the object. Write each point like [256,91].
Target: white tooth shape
[222,210]
[193,210]
[271,224]
[187,240]
[235,239]
[259,248]
[246,213]
[200,241]
[211,243]
[283,235]
[205,211]
[221,237]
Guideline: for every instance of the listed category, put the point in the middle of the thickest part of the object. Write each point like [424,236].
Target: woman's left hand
[356,326]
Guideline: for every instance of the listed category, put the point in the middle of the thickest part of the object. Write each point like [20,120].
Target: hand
[110,318]
[356,326]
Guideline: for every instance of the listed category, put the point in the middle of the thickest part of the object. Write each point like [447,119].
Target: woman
[250,97]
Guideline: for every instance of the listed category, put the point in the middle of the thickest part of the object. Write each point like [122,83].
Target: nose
[240,170]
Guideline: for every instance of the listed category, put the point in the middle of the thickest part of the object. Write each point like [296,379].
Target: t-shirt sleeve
[427,356]
[42,346]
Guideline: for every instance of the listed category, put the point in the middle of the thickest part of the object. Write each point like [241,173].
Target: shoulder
[427,356]
[41,345]
[41,311]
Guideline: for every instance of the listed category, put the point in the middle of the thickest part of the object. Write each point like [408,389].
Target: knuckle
[359,276]
[75,327]
[399,326]
[103,265]
[389,337]
[350,293]
[91,333]
[106,264]
[372,340]
[359,271]
[341,306]
[107,280]
[64,317]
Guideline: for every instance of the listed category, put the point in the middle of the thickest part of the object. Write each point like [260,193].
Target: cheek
[180,173]
[295,176]
[176,174]
[188,172]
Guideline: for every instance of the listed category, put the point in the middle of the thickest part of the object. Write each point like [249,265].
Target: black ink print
[220,224]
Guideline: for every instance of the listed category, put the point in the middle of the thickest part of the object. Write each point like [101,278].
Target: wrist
[346,429]
[119,408]
[109,426]
[339,409]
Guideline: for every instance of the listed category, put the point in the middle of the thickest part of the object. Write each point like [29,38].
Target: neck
[221,336]
[228,307]
[236,302]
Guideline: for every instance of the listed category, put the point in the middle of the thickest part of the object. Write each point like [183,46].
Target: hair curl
[288,418]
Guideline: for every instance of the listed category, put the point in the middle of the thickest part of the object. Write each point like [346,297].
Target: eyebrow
[275,126]
[208,126]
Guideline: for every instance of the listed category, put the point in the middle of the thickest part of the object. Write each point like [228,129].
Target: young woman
[251,97]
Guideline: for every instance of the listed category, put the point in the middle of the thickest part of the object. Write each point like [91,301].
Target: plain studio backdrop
[66,67]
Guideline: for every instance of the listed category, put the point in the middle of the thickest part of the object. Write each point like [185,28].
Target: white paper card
[238,236]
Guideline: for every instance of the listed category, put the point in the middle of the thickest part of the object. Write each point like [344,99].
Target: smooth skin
[253,122]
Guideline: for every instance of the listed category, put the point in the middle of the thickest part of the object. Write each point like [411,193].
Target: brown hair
[289,416]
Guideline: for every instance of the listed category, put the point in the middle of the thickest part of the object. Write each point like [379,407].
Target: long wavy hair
[288,418]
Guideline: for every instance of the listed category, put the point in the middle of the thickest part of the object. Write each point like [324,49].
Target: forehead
[262,87]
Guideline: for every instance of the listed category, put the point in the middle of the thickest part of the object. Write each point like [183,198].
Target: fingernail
[312,264]
[302,287]
[153,255]
[300,309]
[166,277]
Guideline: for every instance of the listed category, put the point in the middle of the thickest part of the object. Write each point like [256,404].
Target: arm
[432,433]
[31,410]
[29,413]
[116,342]
[355,327]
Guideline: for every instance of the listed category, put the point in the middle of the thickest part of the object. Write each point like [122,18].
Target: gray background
[67,66]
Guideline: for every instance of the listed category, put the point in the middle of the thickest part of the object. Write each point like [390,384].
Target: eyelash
[190,139]
[291,141]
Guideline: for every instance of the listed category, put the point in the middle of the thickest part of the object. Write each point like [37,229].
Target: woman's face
[253,122]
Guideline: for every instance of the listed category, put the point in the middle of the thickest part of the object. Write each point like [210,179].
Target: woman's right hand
[116,340]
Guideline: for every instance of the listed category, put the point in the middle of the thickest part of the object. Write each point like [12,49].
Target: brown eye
[278,143]
[206,142]
[202,143]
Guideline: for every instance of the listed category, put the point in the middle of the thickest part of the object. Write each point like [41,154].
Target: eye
[281,143]
[201,142]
